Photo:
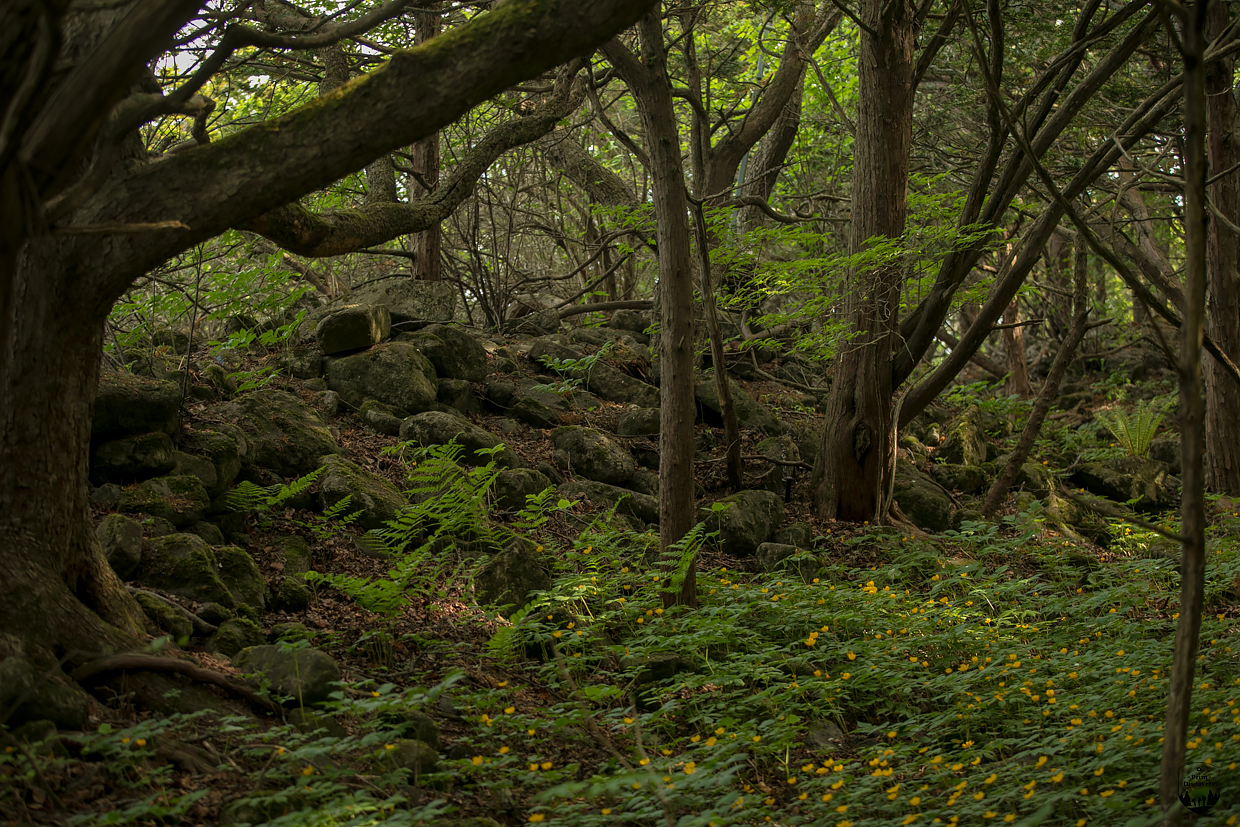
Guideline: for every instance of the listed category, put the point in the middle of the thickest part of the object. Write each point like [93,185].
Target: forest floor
[994,673]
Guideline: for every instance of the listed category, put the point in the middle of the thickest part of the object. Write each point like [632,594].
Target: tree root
[151,663]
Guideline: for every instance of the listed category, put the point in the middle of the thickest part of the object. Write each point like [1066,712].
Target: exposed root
[151,663]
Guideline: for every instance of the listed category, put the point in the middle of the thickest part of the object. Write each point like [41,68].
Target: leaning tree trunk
[58,595]
[1223,149]
[857,454]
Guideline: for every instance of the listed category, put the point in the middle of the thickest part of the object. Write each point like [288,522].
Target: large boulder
[1144,482]
[184,565]
[221,450]
[921,499]
[638,422]
[1168,451]
[132,458]
[411,303]
[511,487]
[376,498]
[121,538]
[181,500]
[634,321]
[454,353]
[640,506]
[749,520]
[965,443]
[511,577]
[308,676]
[440,428]
[126,404]
[586,452]
[281,433]
[968,479]
[240,575]
[749,414]
[353,327]
[596,376]
[395,373]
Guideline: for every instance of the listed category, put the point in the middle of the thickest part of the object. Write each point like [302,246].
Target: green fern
[1134,432]
[248,496]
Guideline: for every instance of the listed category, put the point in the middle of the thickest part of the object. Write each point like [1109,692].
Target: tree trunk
[1223,300]
[1050,389]
[427,245]
[652,88]
[1014,347]
[58,595]
[1192,403]
[857,454]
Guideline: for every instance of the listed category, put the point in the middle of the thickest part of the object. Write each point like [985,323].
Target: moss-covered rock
[221,450]
[395,373]
[643,507]
[375,498]
[133,458]
[586,452]
[749,414]
[454,353]
[965,442]
[352,327]
[121,538]
[291,592]
[184,565]
[306,675]
[440,428]
[281,433]
[126,404]
[800,535]
[924,502]
[459,395]
[511,577]
[595,376]
[234,635]
[968,479]
[639,422]
[384,419]
[418,758]
[512,486]
[242,578]
[1128,479]
[181,500]
[749,520]
[410,302]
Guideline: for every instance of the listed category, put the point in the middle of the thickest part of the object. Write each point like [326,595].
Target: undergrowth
[981,677]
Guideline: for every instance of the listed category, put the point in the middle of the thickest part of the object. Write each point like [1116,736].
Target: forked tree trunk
[857,454]
[58,594]
[1223,301]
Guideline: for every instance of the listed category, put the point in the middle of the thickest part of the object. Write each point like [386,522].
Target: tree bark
[856,459]
[1223,264]
[1014,348]
[651,86]
[1192,408]
[428,244]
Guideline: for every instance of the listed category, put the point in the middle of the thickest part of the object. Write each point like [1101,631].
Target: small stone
[418,758]
[233,636]
[511,487]
[639,422]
